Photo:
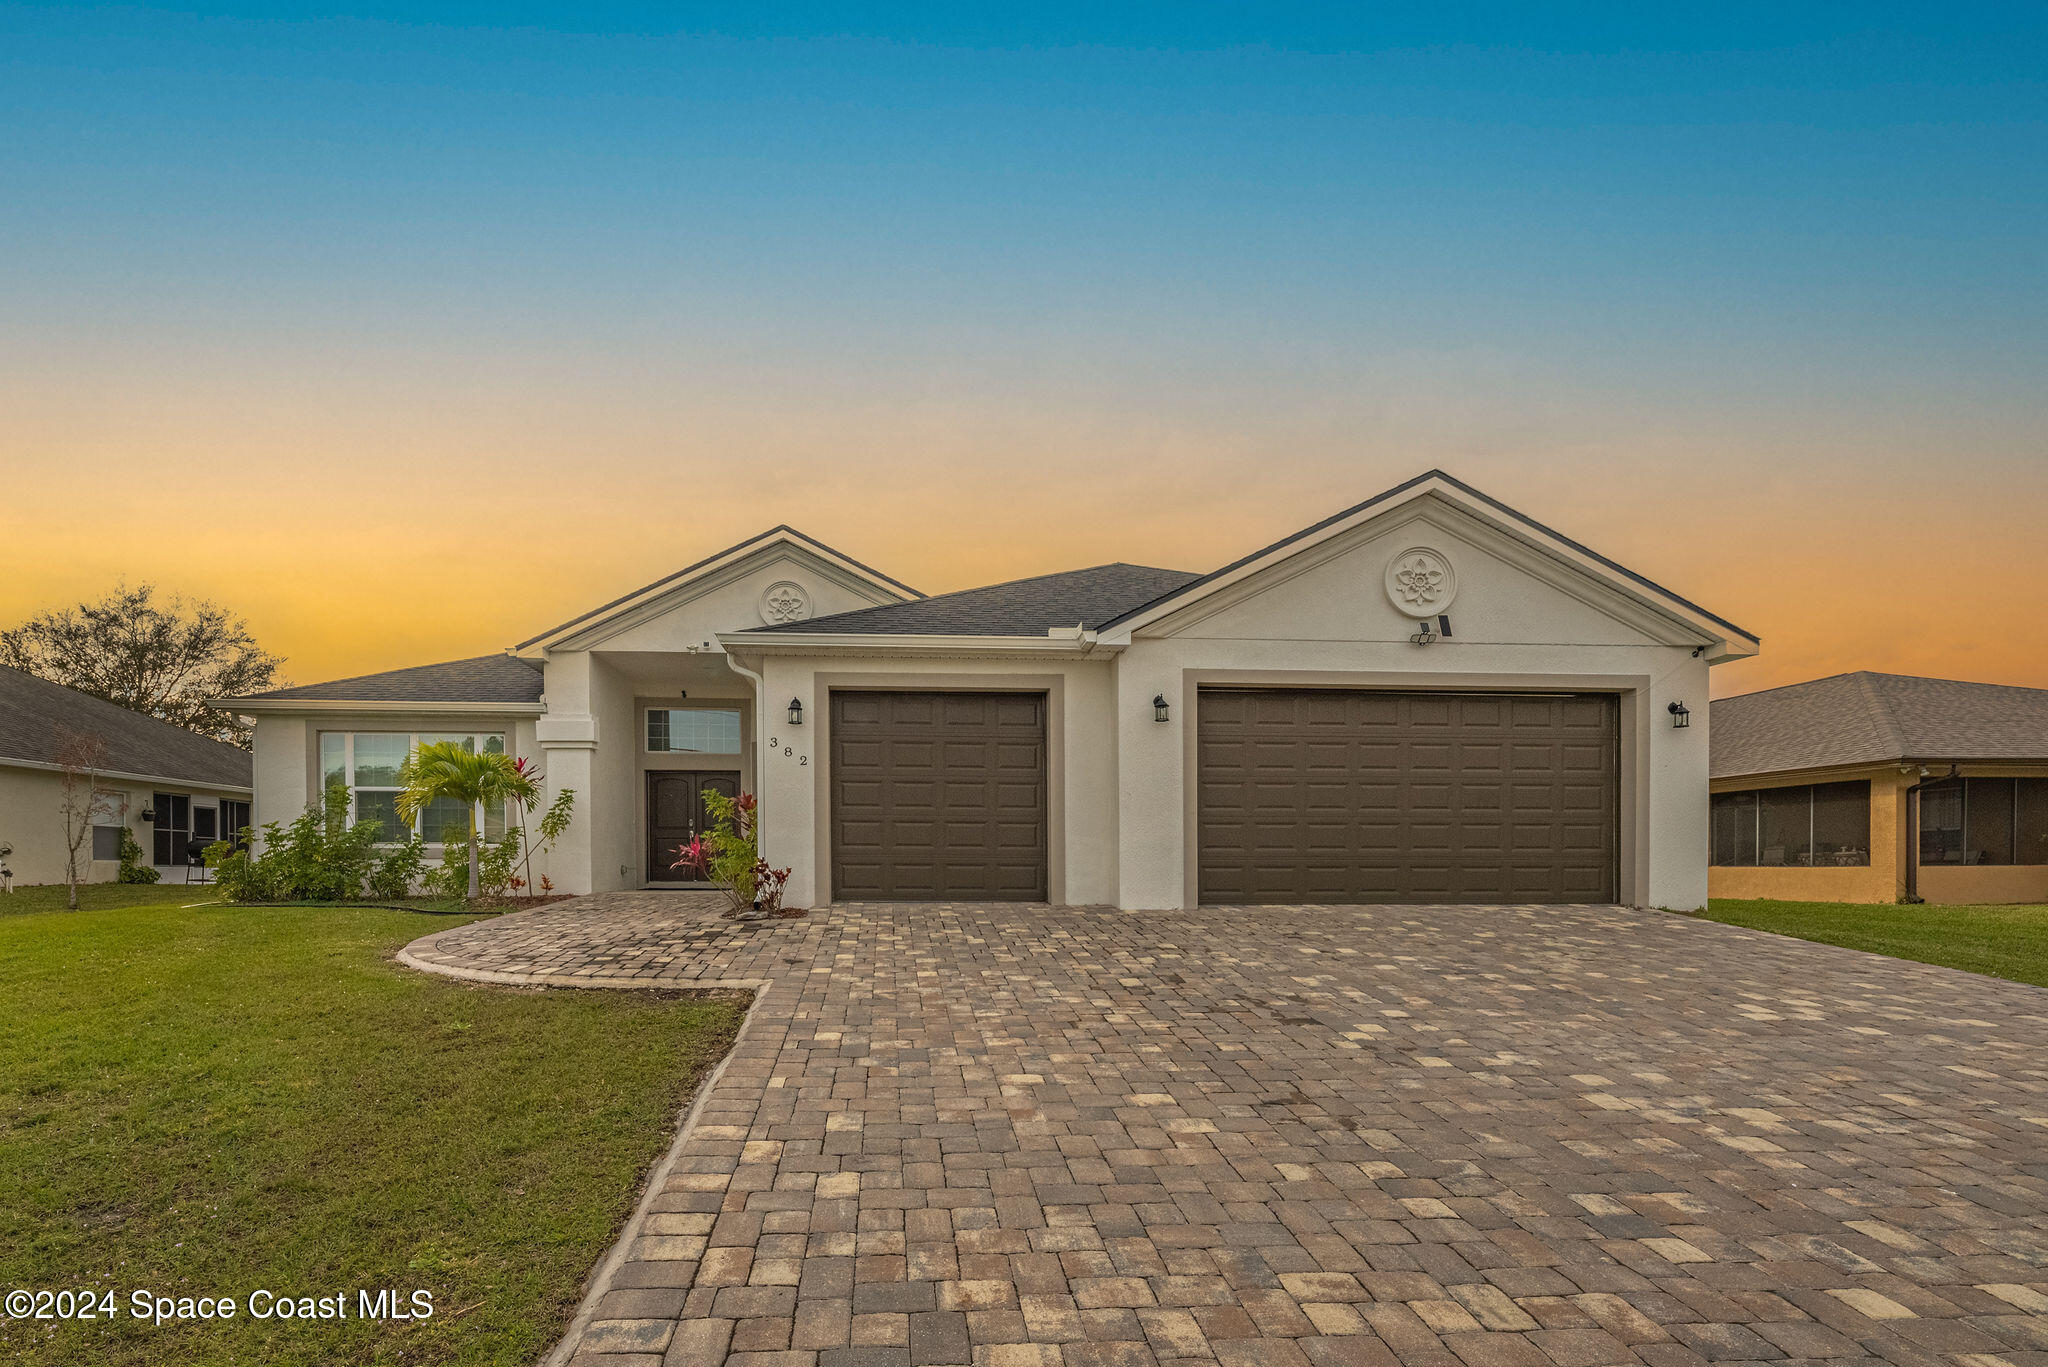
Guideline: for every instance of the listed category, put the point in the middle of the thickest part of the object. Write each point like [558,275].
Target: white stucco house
[1427,697]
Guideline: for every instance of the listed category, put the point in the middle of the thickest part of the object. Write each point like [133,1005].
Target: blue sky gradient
[1748,267]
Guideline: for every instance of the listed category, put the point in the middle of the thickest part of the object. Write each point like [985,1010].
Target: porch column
[569,748]
[567,736]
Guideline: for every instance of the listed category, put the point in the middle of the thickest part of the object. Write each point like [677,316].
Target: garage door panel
[1326,795]
[938,796]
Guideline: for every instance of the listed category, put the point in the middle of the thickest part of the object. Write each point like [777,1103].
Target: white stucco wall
[589,740]
[730,600]
[794,774]
[1124,796]
[287,777]
[600,678]
[1516,622]
[1121,797]
[615,783]
[286,757]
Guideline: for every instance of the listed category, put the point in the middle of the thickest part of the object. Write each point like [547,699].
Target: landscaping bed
[216,1100]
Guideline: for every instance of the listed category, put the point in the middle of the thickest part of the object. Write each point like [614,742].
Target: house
[170,788]
[1881,787]
[1427,697]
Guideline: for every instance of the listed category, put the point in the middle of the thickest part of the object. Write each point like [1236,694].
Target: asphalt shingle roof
[1022,607]
[35,716]
[1866,718]
[480,679]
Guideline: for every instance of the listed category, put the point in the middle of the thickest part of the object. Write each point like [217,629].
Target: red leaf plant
[729,854]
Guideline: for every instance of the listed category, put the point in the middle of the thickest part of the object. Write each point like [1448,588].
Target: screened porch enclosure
[1808,825]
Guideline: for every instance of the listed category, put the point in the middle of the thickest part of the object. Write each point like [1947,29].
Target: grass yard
[213,1100]
[2005,942]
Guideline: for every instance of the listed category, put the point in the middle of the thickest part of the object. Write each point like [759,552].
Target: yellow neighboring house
[1881,788]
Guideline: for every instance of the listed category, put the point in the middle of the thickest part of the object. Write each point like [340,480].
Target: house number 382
[775,743]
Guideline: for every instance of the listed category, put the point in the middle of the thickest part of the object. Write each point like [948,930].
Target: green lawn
[100,896]
[213,1100]
[2005,942]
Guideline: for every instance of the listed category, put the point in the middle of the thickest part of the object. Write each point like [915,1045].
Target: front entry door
[675,812]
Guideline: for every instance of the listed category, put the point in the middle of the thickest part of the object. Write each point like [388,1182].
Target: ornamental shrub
[399,871]
[730,855]
[134,869]
[318,857]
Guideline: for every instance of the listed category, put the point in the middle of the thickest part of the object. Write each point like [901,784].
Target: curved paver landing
[1017,1136]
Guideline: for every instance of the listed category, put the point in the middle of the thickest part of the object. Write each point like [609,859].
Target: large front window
[366,764]
[1810,825]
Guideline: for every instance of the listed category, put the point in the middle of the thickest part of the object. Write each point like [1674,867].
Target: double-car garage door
[1313,795]
[1302,795]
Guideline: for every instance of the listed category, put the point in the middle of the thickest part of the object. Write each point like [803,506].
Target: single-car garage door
[938,796]
[1309,795]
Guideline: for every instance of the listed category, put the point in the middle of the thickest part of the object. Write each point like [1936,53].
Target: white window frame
[113,823]
[733,705]
[413,741]
[206,805]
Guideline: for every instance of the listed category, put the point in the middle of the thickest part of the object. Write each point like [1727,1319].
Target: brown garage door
[938,796]
[1326,796]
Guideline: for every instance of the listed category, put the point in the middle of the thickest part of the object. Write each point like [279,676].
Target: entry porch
[643,737]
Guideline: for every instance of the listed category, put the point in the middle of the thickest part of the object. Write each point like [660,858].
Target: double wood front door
[675,812]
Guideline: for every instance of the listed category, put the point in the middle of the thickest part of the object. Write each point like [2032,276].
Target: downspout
[1911,835]
[732,662]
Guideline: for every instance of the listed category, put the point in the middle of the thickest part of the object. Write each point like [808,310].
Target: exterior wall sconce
[796,712]
[1680,718]
[1425,634]
[1158,707]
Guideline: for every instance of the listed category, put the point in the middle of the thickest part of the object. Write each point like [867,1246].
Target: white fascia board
[121,776]
[260,705]
[847,643]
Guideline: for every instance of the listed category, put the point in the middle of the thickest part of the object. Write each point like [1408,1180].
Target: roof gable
[1020,607]
[1871,718]
[693,580]
[35,714]
[1500,592]
[1550,550]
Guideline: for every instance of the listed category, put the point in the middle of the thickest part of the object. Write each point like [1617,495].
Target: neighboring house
[1876,787]
[172,788]
[1428,697]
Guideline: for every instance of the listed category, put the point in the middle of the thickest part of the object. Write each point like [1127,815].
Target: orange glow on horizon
[467,553]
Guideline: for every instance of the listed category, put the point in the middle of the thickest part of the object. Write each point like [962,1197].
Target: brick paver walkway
[1053,1137]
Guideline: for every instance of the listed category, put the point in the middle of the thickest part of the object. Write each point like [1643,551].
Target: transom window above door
[693,730]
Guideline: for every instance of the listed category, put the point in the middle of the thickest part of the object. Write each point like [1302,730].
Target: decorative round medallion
[1421,582]
[784,601]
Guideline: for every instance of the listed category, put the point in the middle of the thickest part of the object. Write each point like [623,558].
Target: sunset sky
[409,331]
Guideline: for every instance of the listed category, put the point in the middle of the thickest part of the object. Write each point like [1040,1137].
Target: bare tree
[81,757]
[165,660]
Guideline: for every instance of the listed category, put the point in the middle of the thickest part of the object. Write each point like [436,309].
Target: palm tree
[451,770]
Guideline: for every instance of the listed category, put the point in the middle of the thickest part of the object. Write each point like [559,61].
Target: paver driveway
[1055,1137]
